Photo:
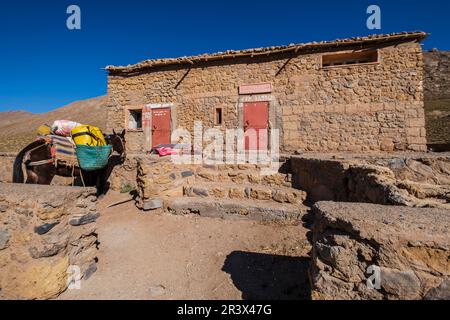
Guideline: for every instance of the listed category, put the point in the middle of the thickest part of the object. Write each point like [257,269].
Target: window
[135,120]
[218,117]
[349,58]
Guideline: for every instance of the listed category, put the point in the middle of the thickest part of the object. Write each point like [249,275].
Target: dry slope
[18,128]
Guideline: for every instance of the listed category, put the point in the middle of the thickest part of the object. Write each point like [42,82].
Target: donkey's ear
[123,133]
[114,132]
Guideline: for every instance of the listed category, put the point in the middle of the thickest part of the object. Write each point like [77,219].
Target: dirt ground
[160,256]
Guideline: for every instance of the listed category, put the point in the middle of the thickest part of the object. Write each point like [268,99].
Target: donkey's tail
[17,168]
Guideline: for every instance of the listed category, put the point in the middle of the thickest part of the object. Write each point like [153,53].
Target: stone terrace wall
[415,180]
[43,231]
[352,108]
[6,166]
[410,246]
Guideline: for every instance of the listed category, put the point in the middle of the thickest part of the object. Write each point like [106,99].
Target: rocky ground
[162,256]
[409,246]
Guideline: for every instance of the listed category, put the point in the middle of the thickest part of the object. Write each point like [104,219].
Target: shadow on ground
[266,276]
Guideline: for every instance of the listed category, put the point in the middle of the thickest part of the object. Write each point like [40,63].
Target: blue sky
[44,65]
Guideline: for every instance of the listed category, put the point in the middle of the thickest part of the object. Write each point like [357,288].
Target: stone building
[360,94]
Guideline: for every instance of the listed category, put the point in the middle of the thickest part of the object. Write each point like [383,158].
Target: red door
[256,119]
[160,126]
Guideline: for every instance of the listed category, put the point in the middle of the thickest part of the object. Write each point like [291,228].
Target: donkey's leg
[46,173]
[32,176]
[103,180]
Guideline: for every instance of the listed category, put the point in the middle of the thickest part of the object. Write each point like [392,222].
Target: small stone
[84,219]
[152,204]
[237,193]
[219,192]
[172,193]
[4,238]
[296,197]
[441,292]
[202,192]
[254,178]
[46,251]
[186,174]
[24,211]
[91,198]
[207,176]
[403,284]
[243,212]
[172,176]
[90,271]
[162,180]
[280,196]
[240,178]
[261,194]
[82,205]
[156,291]
[43,229]
[3,207]
[53,204]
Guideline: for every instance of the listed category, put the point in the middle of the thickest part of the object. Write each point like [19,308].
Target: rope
[82,180]
[39,163]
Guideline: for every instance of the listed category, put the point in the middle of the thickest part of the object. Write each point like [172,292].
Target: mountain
[437,96]
[18,128]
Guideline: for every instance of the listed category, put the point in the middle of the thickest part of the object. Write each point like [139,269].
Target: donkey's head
[117,140]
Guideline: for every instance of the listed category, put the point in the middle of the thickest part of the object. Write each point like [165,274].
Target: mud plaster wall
[353,108]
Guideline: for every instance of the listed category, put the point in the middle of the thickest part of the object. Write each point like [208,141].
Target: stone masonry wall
[6,166]
[347,108]
[407,249]
[414,180]
[43,231]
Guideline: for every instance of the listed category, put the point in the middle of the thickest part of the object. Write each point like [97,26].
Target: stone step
[224,190]
[243,176]
[242,166]
[248,209]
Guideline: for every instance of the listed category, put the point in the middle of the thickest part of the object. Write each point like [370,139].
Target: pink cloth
[164,151]
[64,127]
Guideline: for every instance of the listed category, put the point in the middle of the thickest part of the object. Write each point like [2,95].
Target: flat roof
[378,39]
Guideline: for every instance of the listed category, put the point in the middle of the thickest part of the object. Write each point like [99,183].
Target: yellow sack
[88,136]
[44,130]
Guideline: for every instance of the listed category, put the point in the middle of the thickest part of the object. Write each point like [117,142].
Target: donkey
[44,172]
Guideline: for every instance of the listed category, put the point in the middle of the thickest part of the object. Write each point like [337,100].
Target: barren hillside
[18,128]
[437,96]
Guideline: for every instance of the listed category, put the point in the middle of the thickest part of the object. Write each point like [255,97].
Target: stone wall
[123,176]
[6,166]
[43,231]
[411,180]
[408,249]
[348,108]
[217,190]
